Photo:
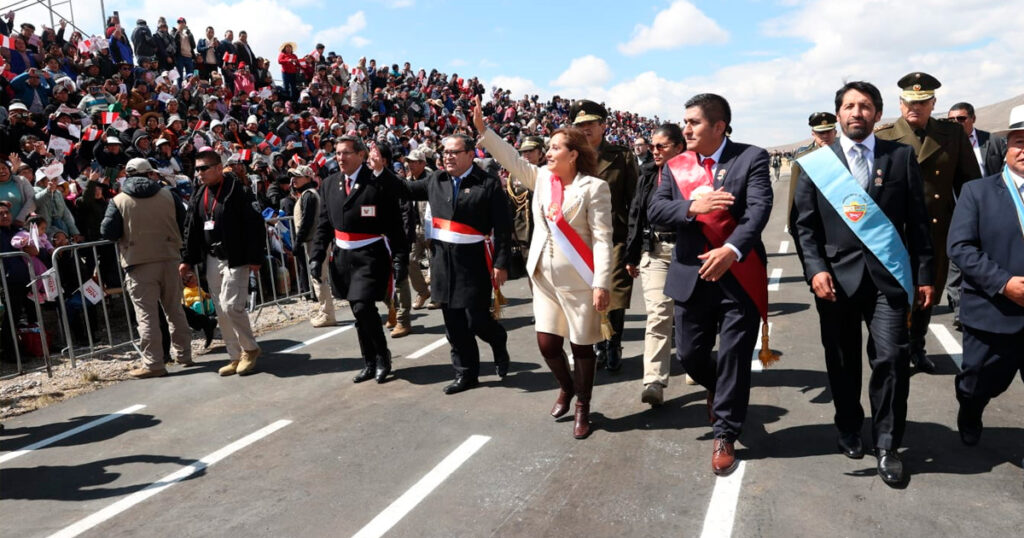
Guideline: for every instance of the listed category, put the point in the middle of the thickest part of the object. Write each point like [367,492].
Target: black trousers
[462,326]
[888,356]
[372,343]
[919,321]
[720,309]
[617,319]
[990,362]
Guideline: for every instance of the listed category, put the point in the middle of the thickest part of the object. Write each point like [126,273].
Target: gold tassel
[607,331]
[766,355]
[499,300]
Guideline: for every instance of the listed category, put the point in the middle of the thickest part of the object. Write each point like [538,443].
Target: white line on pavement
[948,341]
[429,347]
[774,279]
[419,491]
[755,365]
[784,247]
[156,487]
[74,431]
[324,336]
[722,508]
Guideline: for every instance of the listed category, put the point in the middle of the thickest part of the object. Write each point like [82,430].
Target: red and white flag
[106,118]
[302,63]
[391,121]
[273,139]
[90,134]
[245,155]
[320,159]
[315,54]
[338,89]
[230,58]
[297,160]
[6,42]
[200,125]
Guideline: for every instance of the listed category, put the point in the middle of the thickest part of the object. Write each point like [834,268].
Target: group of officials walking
[873,211]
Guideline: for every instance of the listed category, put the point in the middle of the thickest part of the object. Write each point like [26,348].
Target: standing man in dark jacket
[618,166]
[146,220]
[466,206]
[165,49]
[224,229]
[184,50]
[143,42]
[360,215]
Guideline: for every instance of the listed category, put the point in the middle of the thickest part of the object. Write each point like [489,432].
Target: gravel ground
[34,390]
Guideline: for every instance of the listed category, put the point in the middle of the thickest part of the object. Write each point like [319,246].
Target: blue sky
[776,61]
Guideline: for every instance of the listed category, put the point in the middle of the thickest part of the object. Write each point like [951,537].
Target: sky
[775,61]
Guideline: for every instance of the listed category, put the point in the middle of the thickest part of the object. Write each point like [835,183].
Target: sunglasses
[959,119]
[203,167]
[662,147]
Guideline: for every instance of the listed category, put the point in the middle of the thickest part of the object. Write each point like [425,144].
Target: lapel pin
[721,174]
[878,181]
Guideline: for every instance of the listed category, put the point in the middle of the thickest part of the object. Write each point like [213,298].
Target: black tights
[551,347]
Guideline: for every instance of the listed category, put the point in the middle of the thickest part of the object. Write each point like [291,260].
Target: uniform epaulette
[884,126]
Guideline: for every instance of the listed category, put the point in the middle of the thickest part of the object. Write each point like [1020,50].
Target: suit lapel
[357,186]
[722,173]
[602,164]
[879,171]
[932,142]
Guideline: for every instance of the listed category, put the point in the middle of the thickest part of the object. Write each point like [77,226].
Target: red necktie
[348,185]
[708,163]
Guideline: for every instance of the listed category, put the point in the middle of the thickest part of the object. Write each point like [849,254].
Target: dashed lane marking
[429,347]
[74,431]
[721,515]
[784,247]
[113,510]
[419,491]
[324,336]
[775,279]
[949,343]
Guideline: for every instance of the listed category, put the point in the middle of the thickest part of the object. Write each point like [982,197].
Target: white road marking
[721,513]
[429,347]
[419,491]
[784,247]
[948,341]
[774,279]
[74,431]
[112,510]
[755,364]
[324,336]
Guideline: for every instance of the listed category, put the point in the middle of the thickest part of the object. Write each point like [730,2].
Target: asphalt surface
[351,453]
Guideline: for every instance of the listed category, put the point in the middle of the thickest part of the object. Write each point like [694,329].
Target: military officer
[947,161]
[823,133]
[616,165]
[359,212]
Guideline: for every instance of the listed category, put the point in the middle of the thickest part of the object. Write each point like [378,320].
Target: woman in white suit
[570,257]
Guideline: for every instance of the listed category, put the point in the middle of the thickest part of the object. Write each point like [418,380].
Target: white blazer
[586,204]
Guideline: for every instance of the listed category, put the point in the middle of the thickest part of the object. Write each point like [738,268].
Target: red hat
[181,19]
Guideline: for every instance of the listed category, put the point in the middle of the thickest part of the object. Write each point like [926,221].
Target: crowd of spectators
[75,108]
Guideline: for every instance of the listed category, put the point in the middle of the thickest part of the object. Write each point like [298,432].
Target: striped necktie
[859,165]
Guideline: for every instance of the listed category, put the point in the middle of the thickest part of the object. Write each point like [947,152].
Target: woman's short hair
[575,140]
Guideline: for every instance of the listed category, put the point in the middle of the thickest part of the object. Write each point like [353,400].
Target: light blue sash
[1018,204]
[856,208]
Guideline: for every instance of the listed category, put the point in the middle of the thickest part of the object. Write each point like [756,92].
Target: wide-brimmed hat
[1016,121]
[286,43]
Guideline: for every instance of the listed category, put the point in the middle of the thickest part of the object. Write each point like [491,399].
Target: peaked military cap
[822,121]
[918,86]
[586,110]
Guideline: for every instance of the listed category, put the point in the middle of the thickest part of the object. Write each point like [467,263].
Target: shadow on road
[17,438]
[77,482]
[782,309]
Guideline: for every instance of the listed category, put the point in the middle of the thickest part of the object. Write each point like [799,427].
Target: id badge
[208,225]
[368,211]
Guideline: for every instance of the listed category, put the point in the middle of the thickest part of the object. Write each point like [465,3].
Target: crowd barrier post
[9,311]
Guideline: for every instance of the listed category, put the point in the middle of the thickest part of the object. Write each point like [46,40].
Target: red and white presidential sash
[352,241]
[449,231]
[580,255]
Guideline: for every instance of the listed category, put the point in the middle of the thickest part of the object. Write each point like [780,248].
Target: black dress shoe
[614,363]
[890,467]
[365,374]
[383,368]
[921,361]
[602,357]
[502,363]
[968,421]
[211,324]
[460,384]
[851,446]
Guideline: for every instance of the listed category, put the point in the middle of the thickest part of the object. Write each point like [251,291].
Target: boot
[601,350]
[584,377]
[383,367]
[614,360]
[560,367]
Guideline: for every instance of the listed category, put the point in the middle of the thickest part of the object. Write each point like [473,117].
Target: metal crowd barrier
[283,287]
[11,323]
[112,342]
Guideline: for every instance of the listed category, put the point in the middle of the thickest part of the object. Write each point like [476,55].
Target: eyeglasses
[203,167]
[453,152]
[959,119]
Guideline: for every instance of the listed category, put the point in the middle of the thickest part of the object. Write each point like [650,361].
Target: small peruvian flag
[297,160]
[6,42]
[106,118]
[245,155]
[273,139]
[391,121]
[302,62]
[200,125]
[320,159]
[230,58]
[315,54]
[85,45]
[338,89]
[90,134]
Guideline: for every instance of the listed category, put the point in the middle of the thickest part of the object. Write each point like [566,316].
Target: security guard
[947,162]
[616,165]
[823,133]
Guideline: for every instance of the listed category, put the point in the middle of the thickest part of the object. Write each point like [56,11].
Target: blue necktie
[455,189]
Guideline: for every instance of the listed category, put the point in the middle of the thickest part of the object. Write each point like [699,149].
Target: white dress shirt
[717,157]
[977,151]
[847,144]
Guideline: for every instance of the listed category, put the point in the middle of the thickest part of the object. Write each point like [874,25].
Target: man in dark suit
[947,162]
[359,212]
[707,294]
[989,151]
[466,204]
[986,240]
[851,282]
[244,51]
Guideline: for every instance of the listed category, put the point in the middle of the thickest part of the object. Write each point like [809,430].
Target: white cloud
[344,33]
[584,72]
[359,41]
[682,23]
[519,86]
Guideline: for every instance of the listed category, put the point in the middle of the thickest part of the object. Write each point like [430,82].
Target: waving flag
[320,159]
[106,118]
[90,134]
[273,139]
[245,155]
[230,58]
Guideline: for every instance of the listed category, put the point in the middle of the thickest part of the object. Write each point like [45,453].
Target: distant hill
[992,117]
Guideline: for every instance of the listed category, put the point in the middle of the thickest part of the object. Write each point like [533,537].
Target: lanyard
[206,195]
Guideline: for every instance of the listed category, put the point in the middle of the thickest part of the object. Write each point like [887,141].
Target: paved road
[298,450]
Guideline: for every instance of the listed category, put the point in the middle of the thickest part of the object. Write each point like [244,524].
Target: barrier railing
[10,300]
[103,265]
[282,269]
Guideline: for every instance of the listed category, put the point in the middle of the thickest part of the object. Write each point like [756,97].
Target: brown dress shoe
[420,302]
[143,373]
[723,458]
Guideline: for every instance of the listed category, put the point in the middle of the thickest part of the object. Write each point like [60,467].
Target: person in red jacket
[289,70]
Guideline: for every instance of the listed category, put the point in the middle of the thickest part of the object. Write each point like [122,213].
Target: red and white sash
[352,241]
[449,231]
[580,255]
